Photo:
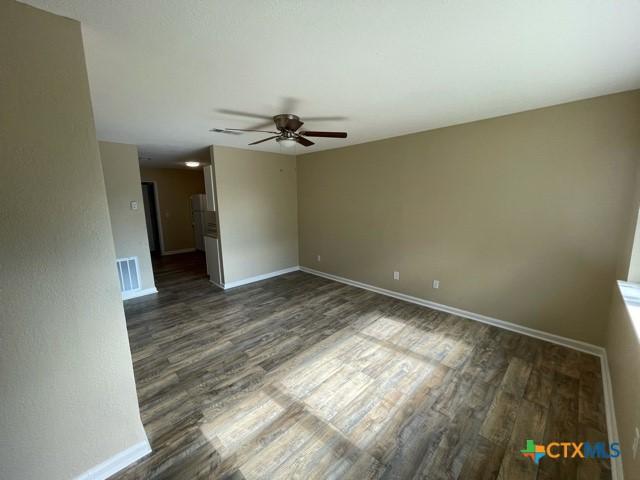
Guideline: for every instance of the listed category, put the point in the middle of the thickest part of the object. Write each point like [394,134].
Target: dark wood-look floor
[302,377]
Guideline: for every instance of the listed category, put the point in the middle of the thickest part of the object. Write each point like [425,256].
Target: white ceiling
[160,70]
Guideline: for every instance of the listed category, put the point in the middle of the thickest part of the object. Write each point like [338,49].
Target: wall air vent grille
[128,273]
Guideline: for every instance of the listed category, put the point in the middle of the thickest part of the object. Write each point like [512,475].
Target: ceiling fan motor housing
[287,122]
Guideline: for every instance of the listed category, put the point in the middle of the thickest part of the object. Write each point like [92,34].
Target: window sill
[630,293]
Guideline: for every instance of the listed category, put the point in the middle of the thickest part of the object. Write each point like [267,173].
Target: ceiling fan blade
[248,130]
[244,114]
[220,130]
[324,119]
[264,140]
[268,120]
[304,141]
[324,134]
[261,125]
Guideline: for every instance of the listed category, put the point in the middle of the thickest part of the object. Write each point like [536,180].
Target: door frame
[156,201]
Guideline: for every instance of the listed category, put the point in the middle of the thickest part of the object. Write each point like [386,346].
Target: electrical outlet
[396,275]
[134,205]
[319,258]
[436,284]
[636,443]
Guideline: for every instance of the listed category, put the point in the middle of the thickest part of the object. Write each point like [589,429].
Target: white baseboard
[175,252]
[549,337]
[610,412]
[138,293]
[612,428]
[117,462]
[257,278]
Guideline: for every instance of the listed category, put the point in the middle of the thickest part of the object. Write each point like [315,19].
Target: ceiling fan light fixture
[286,131]
[286,142]
[192,164]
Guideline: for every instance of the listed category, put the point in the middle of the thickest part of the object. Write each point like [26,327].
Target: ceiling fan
[288,133]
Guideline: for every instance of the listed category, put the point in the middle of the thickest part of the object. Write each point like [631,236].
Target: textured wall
[122,181]
[174,189]
[67,396]
[521,217]
[257,210]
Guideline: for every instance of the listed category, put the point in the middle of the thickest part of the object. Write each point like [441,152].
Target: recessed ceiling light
[192,164]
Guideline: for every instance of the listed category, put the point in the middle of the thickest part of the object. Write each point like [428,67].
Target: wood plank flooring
[302,377]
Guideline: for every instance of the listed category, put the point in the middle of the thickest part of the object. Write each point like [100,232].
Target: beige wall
[122,181]
[174,188]
[257,211]
[67,396]
[629,261]
[623,352]
[521,217]
[623,343]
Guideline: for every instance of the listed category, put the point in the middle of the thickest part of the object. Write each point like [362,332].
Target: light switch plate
[134,205]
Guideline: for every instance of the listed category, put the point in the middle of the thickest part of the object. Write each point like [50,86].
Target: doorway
[151,217]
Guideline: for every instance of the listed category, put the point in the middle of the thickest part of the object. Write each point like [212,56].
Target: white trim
[138,293]
[630,292]
[612,428]
[257,278]
[549,337]
[175,252]
[117,462]
[610,412]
